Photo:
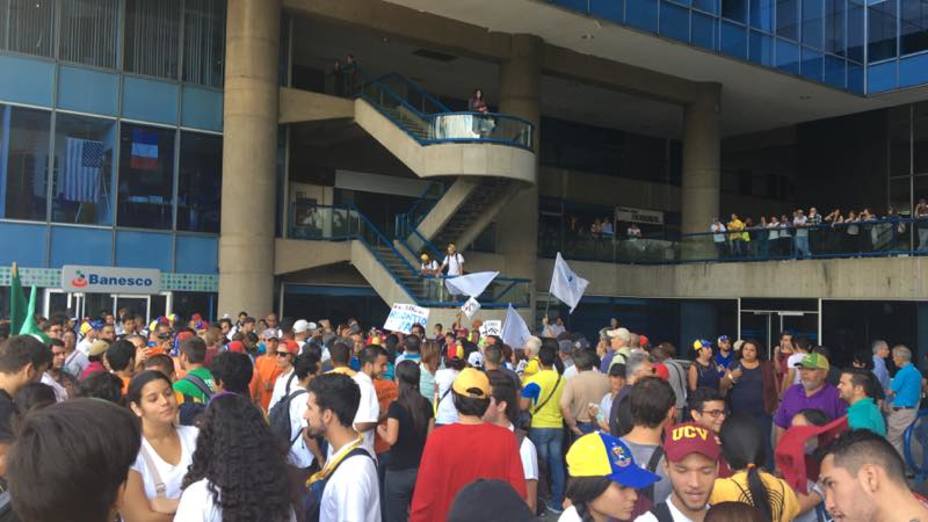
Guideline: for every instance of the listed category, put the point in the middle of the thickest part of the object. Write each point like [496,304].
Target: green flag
[17,302]
[29,326]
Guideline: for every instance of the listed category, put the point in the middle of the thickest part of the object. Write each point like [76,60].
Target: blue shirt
[724,361]
[879,369]
[907,385]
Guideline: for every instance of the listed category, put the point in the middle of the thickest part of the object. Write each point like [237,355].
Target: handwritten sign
[403,316]
[491,327]
[470,308]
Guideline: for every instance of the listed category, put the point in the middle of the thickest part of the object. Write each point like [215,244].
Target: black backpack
[191,408]
[312,501]
[279,416]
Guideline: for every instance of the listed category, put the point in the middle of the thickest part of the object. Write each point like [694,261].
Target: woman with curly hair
[238,472]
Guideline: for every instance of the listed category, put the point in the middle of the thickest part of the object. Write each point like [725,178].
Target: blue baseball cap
[599,454]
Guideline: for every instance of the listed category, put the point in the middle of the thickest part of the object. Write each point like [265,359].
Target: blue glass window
[788,19]
[151,37]
[709,6]
[30,26]
[882,30]
[855,31]
[675,21]
[607,9]
[734,40]
[835,11]
[146,177]
[642,14]
[762,15]
[913,70]
[761,48]
[24,136]
[813,29]
[705,31]
[855,77]
[913,35]
[199,182]
[811,64]
[787,56]
[736,10]
[835,71]
[881,77]
[88,32]
[83,170]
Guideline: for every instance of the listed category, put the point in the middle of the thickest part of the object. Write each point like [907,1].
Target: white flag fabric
[471,284]
[566,285]
[470,308]
[515,331]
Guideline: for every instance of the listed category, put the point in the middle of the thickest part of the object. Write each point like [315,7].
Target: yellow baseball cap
[472,383]
[814,361]
[599,454]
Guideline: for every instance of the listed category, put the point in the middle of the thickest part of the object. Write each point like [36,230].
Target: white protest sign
[403,316]
[491,327]
[470,308]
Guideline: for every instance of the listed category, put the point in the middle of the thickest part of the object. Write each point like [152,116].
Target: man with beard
[692,464]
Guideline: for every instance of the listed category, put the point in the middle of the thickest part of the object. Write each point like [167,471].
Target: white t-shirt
[455,264]
[198,504]
[299,456]
[75,363]
[677,515]
[352,493]
[447,413]
[792,362]
[60,393]
[529,456]
[280,388]
[431,266]
[570,515]
[368,408]
[84,346]
[570,372]
[172,476]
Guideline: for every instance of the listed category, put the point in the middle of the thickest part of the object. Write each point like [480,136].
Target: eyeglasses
[714,413]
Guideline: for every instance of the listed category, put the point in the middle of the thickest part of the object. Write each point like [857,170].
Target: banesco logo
[80,281]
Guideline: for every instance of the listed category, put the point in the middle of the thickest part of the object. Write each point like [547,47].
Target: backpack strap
[661,512]
[652,467]
[199,383]
[538,408]
[290,398]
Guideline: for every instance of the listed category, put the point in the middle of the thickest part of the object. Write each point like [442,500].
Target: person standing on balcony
[718,237]
[786,237]
[800,221]
[736,227]
[478,104]
[815,235]
[454,262]
[429,270]
[921,213]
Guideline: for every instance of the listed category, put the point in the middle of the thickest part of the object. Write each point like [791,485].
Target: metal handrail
[499,115]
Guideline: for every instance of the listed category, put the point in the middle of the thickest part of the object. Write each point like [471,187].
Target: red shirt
[456,455]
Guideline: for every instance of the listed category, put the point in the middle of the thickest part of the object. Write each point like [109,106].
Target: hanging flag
[515,331]
[17,301]
[144,150]
[566,285]
[471,284]
[29,326]
[83,165]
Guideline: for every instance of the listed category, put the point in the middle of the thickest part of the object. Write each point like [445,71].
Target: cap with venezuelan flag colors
[599,454]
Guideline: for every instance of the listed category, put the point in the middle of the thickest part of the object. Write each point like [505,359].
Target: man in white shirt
[692,464]
[504,412]
[347,487]
[454,261]
[373,366]
[718,238]
[286,381]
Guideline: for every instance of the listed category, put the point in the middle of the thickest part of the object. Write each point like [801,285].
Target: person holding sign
[454,262]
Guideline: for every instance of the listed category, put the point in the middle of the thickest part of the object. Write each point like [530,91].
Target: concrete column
[520,95]
[701,167]
[246,243]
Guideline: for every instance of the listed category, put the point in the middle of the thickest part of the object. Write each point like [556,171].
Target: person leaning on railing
[921,214]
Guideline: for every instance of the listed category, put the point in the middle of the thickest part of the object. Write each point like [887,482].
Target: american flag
[83,165]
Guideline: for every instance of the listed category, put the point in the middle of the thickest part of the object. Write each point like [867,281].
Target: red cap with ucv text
[689,437]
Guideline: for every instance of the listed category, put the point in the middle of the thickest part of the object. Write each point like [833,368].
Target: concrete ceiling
[754,98]
[318,43]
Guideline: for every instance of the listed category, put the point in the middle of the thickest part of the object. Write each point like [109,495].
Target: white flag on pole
[515,331]
[566,285]
[471,284]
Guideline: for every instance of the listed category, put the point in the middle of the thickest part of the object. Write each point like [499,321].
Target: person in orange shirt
[266,373]
[120,359]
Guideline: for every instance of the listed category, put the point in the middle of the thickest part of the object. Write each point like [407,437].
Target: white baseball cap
[303,325]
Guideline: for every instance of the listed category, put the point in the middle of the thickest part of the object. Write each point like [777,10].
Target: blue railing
[894,236]
[427,120]
[341,223]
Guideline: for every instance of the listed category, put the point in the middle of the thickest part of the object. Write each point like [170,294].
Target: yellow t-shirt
[549,415]
[783,499]
[531,368]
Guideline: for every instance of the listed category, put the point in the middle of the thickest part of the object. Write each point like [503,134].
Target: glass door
[60,301]
[139,305]
[763,320]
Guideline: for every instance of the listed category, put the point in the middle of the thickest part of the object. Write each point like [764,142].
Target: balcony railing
[875,238]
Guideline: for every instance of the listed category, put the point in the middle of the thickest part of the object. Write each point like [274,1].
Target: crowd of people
[305,421]
[803,234]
